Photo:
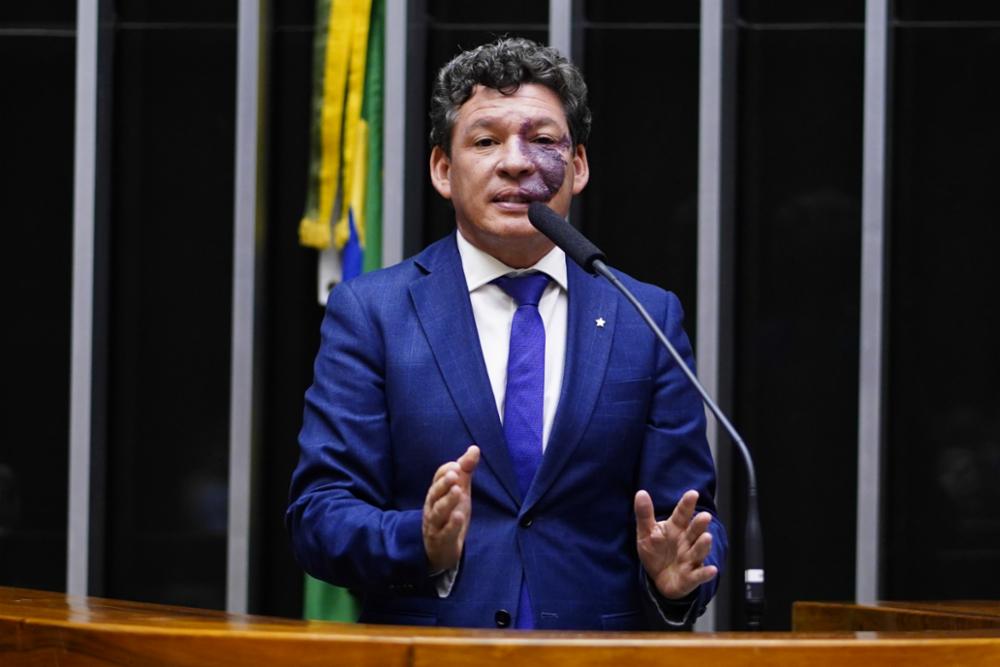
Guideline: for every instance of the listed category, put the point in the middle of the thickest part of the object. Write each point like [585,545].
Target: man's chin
[520,228]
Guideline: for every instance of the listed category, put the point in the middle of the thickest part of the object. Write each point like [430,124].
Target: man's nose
[514,160]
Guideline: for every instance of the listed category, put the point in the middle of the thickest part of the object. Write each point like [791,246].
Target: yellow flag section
[343,197]
[336,192]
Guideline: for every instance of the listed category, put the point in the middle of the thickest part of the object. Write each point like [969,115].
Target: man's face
[506,152]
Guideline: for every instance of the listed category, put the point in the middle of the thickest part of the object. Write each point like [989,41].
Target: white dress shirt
[494,309]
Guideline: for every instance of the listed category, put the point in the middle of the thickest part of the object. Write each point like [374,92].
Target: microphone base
[754,610]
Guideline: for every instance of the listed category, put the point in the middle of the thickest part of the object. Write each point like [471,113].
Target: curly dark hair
[504,65]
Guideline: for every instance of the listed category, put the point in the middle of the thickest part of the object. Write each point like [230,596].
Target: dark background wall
[797,289]
[944,369]
[167,156]
[171,143]
[37,79]
[291,335]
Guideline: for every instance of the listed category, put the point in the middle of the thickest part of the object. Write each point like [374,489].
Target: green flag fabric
[362,250]
[371,112]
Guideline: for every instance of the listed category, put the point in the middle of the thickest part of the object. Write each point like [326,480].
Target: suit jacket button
[502,618]
[526,521]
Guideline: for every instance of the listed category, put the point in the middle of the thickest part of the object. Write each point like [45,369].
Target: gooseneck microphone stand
[753,595]
[591,259]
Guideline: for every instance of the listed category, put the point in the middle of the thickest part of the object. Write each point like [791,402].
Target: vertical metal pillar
[561,27]
[394,133]
[715,212]
[247,216]
[84,234]
[873,302]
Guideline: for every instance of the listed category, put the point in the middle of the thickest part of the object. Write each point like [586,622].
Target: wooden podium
[896,616]
[42,628]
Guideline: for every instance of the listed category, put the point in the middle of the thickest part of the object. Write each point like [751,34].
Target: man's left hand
[673,551]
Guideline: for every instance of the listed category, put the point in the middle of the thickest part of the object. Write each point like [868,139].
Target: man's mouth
[519,196]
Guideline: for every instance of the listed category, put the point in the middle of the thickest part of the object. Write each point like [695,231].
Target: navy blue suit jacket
[401,387]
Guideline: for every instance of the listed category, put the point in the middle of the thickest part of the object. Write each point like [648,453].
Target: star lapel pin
[600,322]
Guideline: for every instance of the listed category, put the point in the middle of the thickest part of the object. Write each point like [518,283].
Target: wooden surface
[896,616]
[40,628]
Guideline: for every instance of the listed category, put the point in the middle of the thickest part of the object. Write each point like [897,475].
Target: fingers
[645,515]
[698,526]
[698,550]
[684,511]
[441,511]
[696,542]
[466,463]
[469,460]
[703,575]
[452,528]
[451,473]
[444,480]
[681,517]
[673,551]
[447,510]
[461,469]
[687,571]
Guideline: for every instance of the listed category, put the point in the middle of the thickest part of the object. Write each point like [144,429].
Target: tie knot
[526,289]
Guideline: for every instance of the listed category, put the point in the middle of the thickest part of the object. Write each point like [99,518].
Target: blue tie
[523,401]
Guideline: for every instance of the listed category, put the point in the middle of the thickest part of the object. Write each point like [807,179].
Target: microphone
[579,248]
[565,235]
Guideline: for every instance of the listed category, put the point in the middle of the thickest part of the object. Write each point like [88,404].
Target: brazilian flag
[344,195]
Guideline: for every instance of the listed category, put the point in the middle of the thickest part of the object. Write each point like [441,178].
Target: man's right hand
[448,510]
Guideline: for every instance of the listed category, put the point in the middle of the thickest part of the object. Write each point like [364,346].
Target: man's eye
[484,142]
[548,141]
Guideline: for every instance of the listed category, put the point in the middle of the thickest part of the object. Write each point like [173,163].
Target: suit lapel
[441,300]
[588,348]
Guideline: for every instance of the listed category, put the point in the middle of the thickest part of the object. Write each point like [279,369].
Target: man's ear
[581,169]
[440,167]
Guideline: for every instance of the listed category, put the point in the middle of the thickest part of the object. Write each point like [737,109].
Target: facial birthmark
[550,165]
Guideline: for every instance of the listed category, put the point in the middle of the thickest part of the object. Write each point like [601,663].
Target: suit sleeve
[675,458]
[343,526]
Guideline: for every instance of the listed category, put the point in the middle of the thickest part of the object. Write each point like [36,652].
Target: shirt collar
[481,268]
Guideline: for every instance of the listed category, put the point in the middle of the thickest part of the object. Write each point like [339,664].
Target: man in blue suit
[490,428]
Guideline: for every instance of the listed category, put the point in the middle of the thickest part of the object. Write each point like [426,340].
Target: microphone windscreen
[577,246]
